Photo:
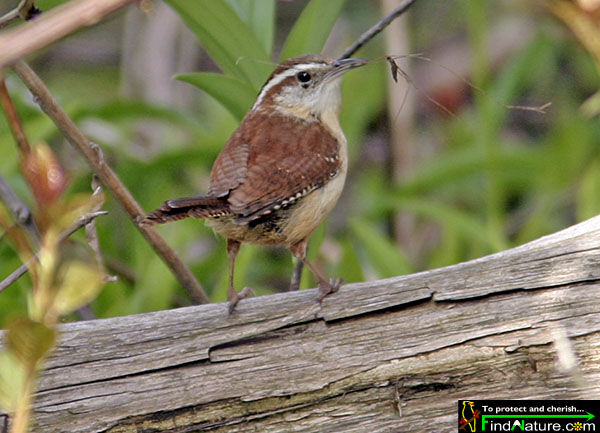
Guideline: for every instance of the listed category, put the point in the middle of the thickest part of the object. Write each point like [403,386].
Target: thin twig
[21,270]
[25,10]
[81,222]
[12,116]
[19,211]
[54,25]
[93,154]
[377,28]
[91,231]
[16,274]
[121,270]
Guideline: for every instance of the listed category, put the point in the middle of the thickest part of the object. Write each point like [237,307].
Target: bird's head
[306,86]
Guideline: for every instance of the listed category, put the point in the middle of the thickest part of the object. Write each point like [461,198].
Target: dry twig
[91,231]
[93,154]
[26,10]
[12,116]
[376,29]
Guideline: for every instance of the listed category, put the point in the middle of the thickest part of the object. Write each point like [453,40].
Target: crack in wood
[563,254]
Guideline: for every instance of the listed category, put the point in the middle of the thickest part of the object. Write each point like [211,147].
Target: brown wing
[286,158]
[230,167]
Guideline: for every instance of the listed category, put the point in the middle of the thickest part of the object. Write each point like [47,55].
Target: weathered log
[384,356]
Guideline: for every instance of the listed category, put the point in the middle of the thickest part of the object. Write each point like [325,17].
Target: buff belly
[285,226]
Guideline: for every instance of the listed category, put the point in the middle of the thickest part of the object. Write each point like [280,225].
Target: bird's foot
[234,297]
[329,287]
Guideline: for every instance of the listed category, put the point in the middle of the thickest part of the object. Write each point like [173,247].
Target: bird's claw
[236,297]
[329,287]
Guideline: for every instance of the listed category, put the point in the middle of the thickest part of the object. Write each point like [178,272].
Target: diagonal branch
[377,28]
[54,25]
[93,154]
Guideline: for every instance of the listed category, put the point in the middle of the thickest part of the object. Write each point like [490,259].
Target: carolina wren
[283,169]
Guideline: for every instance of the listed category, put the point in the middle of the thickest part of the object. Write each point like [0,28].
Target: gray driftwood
[384,356]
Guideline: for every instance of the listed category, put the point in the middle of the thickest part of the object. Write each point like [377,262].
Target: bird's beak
[341,66]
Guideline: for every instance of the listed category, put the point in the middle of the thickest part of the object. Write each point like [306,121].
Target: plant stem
[95,158]
[20,423]
[377,28]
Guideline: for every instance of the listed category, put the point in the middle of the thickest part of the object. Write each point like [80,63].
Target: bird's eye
[303,77]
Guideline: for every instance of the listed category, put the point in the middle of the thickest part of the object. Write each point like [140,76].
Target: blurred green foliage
[503,177]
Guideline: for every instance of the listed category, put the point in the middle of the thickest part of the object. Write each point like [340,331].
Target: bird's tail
[180,208]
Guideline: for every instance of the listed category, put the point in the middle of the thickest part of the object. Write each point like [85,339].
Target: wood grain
[384,356]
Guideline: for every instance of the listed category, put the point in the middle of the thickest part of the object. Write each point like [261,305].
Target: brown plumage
[282,170]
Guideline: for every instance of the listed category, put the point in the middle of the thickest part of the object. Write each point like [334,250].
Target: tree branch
[377,28]
[54,25]
[93,154]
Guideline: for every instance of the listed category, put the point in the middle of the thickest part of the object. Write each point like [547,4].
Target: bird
[283,169]
[469,416]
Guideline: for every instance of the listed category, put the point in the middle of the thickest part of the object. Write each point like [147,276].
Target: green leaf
[29,341]
[79,284]
[227,38]
[260,16]
[235,95]
[384,256]
[12,380]
[312,28]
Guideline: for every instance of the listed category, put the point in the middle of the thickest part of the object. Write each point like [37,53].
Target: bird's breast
[308,214]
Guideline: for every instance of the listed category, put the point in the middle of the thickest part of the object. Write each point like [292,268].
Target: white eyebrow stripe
[282,76]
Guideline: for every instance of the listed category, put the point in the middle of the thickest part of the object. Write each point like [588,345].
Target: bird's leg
[325,287]
[233,248]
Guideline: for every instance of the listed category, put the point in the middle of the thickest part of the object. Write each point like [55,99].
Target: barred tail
[180,208]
